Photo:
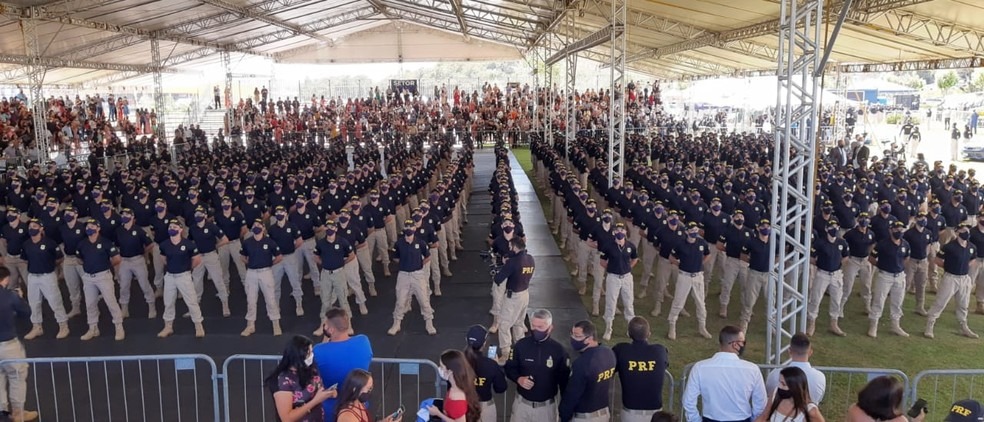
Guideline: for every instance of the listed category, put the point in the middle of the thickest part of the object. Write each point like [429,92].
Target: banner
[398,85]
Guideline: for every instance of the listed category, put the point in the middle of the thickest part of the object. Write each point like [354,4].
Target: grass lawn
[857,350]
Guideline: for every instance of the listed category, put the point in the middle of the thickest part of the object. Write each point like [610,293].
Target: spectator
[881,400]
[352,398]
[340,353]
[461,401]
[662,416]
[800,351]
[791,400]
[731,388]
[296,385]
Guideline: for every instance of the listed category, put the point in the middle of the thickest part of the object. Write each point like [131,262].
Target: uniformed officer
[260,254]
[180,257]
[917,266]
[618,258]
[641,368]
[714,223]
[755,252]
[956,258]
[233,225]
[860,240]
[71,233]
[976,275]
[516,273]
[288,239]
[42,255]
[133,243]
[667,235]
[356,236]
[502,249]
[732,242]
[539,366]
[414,254]
[306,220]
[827,253]
[208,237]
[689,256]
[15,234]
[889,256]
[489,376]
[333,252]
[363,251]
[98,255]
[381,215]
[588,392]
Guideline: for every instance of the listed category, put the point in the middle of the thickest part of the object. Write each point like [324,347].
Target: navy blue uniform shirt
[859,242]
[232,225]
[758,254]
[619,257]
[734,239]
[15,237]
[96,255]
[178,256]
[411,254]
[131,242]
[12,307]
[71,236]
[205,237]
[590,384]
[546,361]
[41,256]
[260,252]
[641,370]
[333,254]
[691,255]
[891,257]
[829,255]
[518,270]
[956,258]
[919,240]
[284,236]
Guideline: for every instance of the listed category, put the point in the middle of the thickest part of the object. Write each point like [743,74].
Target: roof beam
[265,17]
[916,65]
[924,29]
[460,15]
[864,11]
[595,39]
[111,79]
[568,5]
[447,25]
[76,64]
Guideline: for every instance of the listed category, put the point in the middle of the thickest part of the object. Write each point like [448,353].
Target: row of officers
[551,386]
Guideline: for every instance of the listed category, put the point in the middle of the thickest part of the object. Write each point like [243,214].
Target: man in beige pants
[957,259]
[413,254]
[13,376]
[333,252]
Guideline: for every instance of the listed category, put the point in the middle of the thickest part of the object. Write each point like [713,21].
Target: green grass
[857,350]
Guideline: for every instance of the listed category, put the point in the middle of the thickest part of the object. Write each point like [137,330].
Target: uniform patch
[42,248]
[701,248]
[550,362]
[99,246]
[182,248]
[337,247]
[265,247]
[206,231]
[416,246]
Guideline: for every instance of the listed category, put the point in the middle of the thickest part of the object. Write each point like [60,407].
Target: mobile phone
[333,386]
[398,413]
[918,406]
[493,351]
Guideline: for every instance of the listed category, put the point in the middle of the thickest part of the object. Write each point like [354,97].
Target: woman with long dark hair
[791,401]
[352,399]
[881,401]
[296,385]
[461,403]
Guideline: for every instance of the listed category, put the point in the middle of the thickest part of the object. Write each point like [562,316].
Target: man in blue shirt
[307,222]
[339,353]
[755,252]
[71,232]
[957,259]
[14,375]
[827,253]
[333,253]
[689,256]
[260,254]
[413,255]
[289,240]
[15,233]
[180,256]
[133,243]
[98,255]
[42,255]
[732,242]
[889,256]
[208,237]
[618,258]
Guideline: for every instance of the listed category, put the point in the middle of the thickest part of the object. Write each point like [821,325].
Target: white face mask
[309,360]
[444,374]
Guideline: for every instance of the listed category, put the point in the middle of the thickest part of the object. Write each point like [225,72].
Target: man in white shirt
[800,351]
[732,389]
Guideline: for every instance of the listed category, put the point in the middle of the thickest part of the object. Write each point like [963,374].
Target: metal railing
[122,388]
[396,382]
[940,388]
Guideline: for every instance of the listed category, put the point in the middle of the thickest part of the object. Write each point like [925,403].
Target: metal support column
[155,52]
[794,166]
[36,73]
[570,111]
[227,66]
[548,101]
[616,109]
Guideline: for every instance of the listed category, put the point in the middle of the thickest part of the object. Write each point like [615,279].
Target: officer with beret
[260,253]
[180,257]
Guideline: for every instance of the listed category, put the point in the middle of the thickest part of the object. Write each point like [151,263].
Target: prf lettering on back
[642,365]
[479,381]
[527,270]
[605,375]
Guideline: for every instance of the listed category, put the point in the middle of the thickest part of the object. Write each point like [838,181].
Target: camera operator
[516,273]
[13,389]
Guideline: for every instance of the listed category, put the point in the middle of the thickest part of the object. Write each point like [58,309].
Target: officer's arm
[511,368]
[563,370]
[223,240]
[499,381]
[572,394]
[196,261]
[506,271]
[298,242]
[350,257]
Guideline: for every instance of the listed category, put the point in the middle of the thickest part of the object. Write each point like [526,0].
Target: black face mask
[364,397]
[782,394]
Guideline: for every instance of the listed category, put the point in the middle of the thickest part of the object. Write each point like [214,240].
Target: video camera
[492,259]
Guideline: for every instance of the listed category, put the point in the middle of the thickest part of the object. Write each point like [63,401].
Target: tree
[947,81]
[976,83]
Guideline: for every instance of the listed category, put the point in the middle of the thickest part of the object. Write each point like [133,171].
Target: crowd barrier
[189,387]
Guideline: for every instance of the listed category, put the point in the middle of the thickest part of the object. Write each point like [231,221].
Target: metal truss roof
[109,40]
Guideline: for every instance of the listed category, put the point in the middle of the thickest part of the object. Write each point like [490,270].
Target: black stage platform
[465,301]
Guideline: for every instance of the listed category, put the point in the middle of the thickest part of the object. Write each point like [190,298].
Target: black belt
[335,270]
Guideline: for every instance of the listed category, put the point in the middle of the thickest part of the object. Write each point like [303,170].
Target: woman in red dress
[461,402]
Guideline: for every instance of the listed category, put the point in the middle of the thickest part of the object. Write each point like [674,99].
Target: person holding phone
[489,376]
[353,397]
[296,384]
[461,402]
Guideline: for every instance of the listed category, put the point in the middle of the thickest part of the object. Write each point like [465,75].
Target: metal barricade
[396,382]
[841,390]
[941,388]
[122,388]
[504,402]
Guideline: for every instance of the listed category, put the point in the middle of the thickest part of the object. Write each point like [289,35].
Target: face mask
[33,232]
[105,208]
[257,230]
[159,208]
[126,219]
[863,223]
[896,235]
[11,218]
[937,210]
[832,231]
[620,236]
[199,218]
[540,336]
[226,207]
[606,219]
[195,195]
[444,374]
[507,230]
[739,222]
[741,350]
[69,218]
[416,219]
[673,220]
[343,220]
[964,235]
[765,231]
[693,235]
[173,232]
[715,208]
[308,361]
[886,208]
[782,394]
[364,397]
[578,345]
[958,198]
[408,232]
[922,223]
[90,232]
[750,198]
[826,210]
[300,204]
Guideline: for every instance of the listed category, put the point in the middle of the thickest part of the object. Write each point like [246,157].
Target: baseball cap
[476,335]
[965,411]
